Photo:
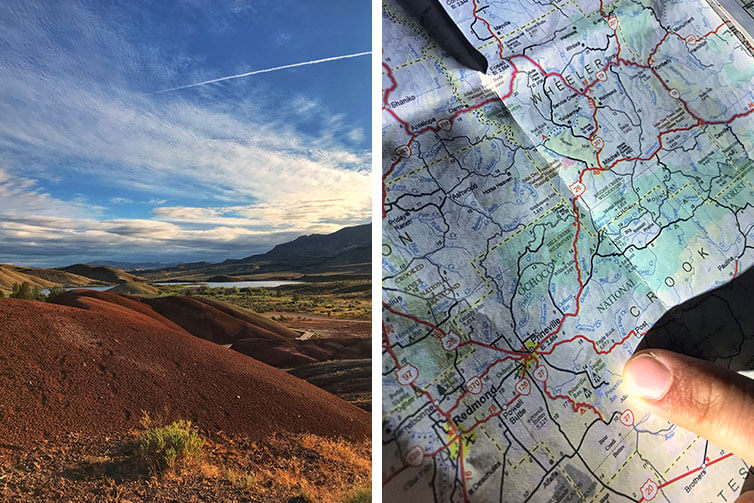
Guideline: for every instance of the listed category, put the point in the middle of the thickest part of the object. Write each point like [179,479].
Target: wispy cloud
[266,70]
[223,176]
[284,38]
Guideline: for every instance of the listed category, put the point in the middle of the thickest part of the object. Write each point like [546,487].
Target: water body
[237,284]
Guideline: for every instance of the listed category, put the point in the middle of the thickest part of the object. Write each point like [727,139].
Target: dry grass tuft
[240,480]
[339,451]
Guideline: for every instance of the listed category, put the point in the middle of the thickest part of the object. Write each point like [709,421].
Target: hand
[713,402]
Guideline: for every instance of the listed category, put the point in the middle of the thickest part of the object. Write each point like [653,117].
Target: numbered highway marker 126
[523,387]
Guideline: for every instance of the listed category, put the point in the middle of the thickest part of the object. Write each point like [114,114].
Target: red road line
[463,472]
[685,39]
[414,318]
[394,474]
[552,349]
[438,451]
[466,392]
[495,414]
[575,405]
[392,88]
[691,472]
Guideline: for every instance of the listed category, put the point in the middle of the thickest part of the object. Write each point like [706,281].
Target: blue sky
[97,164]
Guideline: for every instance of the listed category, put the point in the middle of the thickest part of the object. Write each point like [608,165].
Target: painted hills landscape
[281,405]
[345,253]
[185,265]
[342,254]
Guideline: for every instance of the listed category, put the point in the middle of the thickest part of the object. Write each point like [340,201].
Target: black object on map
[717,326]
[444,31]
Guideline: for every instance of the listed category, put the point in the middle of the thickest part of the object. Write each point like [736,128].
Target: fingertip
[747,497]
[696,395]
[645,376]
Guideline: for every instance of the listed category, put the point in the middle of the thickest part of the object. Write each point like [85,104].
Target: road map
[537,221]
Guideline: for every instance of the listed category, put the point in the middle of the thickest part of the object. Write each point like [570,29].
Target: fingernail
[645,376]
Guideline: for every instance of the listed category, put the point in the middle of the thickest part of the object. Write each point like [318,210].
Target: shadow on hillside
[118,463]
[717,326]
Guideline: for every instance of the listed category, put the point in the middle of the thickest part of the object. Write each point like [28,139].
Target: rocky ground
[283,468]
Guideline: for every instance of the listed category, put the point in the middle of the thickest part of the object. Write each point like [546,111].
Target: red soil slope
[298,353]
[112,303]
[66,369]
[205,320]
[249,333]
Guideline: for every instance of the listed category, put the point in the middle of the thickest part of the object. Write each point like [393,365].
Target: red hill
[95,367]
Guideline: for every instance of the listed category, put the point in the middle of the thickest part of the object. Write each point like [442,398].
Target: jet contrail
[255,72]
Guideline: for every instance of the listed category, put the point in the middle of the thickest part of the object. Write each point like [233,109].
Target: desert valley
[246,380]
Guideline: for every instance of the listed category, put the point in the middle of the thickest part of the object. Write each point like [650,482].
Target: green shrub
[161,449]
[26,291]
[55,291]
[359,495]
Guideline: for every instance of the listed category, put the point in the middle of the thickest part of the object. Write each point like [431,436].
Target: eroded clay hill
[42,278]
[249,333]
[94,365]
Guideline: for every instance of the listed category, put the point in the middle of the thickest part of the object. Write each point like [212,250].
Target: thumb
[747,491]
[710,401]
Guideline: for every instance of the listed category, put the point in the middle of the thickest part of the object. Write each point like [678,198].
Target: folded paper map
[538,219]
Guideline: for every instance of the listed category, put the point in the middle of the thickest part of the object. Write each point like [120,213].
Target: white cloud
[305,106]
[61,121]
[355,135]
[21,196]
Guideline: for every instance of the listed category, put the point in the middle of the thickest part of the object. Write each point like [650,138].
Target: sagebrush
[163,448]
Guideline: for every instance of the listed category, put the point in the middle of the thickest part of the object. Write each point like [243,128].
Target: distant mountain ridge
[347,252]
[131,266]
[342,254]
[323,245]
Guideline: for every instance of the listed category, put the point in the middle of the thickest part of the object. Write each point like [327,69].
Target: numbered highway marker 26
[577,188]
[450,342]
